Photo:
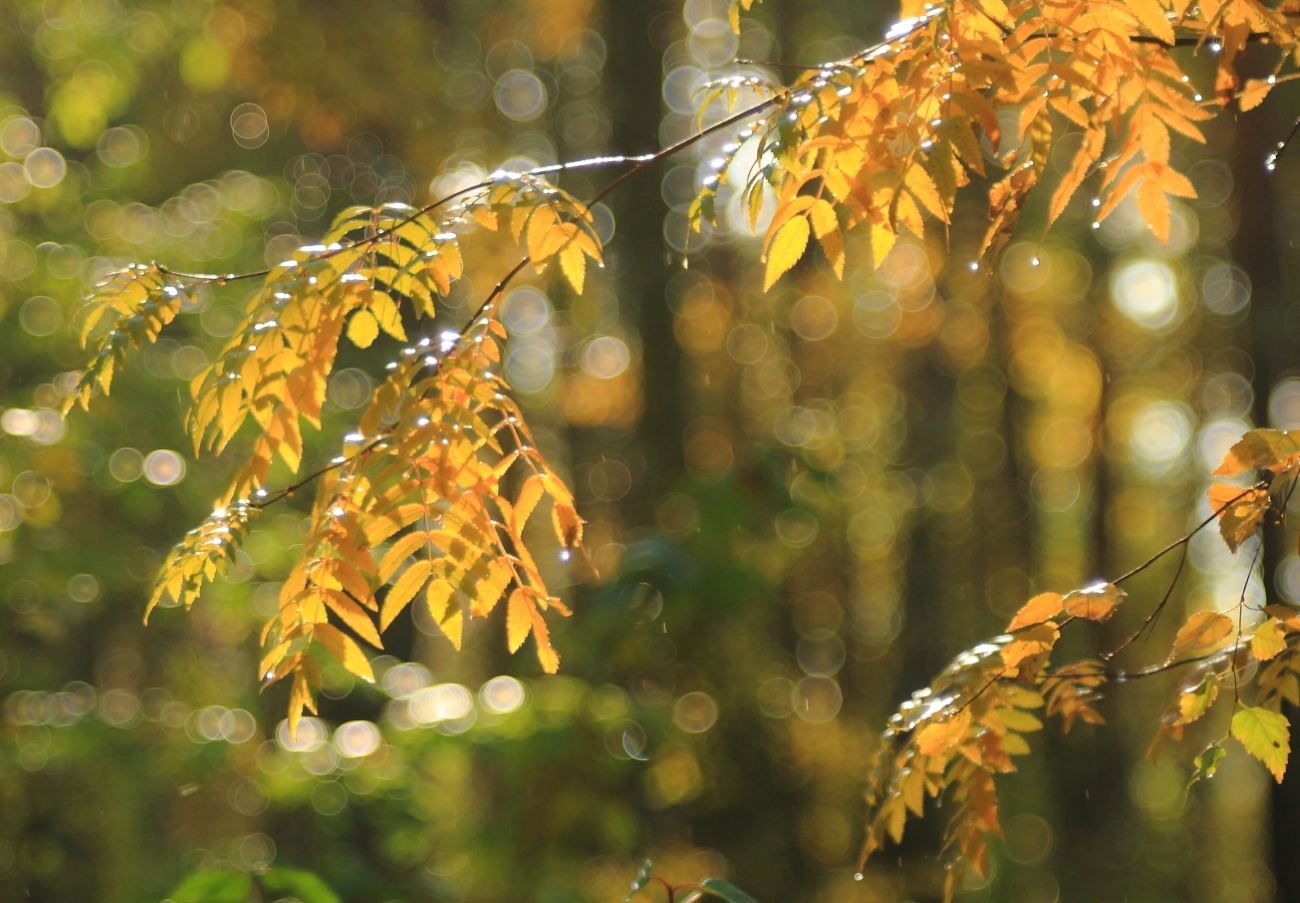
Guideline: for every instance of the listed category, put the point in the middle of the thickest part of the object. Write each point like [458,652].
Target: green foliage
[213,886]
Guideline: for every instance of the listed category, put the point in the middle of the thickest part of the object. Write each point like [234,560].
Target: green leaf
[1207,763]
[728,892]
[304,885]
[213,887]
[1266,736]
[641,880]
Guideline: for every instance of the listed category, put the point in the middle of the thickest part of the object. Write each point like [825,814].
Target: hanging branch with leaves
[882,141]
[878,143]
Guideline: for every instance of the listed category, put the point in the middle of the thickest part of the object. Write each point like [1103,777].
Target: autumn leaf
[1153,204]
[1265,735]
[787,247]
[1240,511]
[573,263]
[1034,641]
[1096,603]
[1269,640]
[1194,703]
[519,620]
[363,329]
[384,310]
[941,736]
[1153,18]
[1203,630]
[346,651]
[1253,94]
[1259,449]
[1042,607]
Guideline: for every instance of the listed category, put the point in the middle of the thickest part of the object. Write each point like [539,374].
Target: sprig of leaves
[882,141]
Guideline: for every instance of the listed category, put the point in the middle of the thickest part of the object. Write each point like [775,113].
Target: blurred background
[802,503]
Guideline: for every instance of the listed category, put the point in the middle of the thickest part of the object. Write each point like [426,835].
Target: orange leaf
[1041,608]
[1096,603]
[1153,204]
[938,738]
[519,619]
[1203,630]
[787,247]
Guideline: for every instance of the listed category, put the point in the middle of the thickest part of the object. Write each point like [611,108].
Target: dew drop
[857,876]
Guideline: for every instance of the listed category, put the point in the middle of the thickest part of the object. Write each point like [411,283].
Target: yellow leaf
[787,247]
[935,739]
[403,591]
[363,328]
[1256,449]
[1017,720]
[343,648]
[1174,182]
[546,654]
[529,496]
[1041,608]
[437,598]
[453,627]
[1253,95]
[1096,603]
[384,310]
[924,190]
[1152,17]
[823,218]
[1153,204]
[519,620]
[1240,511]
[353,615]
[1155,140]
[882,242]
[1035,641]
[1269,640]
[1194,703]
[545,235]
[573,263]
[568,526]
[1265,735]
[1203,630]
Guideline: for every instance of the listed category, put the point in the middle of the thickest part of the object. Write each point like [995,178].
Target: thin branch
[1151,618]
[1262,484]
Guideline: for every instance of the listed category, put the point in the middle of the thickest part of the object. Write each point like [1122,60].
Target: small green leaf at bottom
[210,886]
[1207,763]
[304,885]
[728,892]
[641,880]
[1266,736]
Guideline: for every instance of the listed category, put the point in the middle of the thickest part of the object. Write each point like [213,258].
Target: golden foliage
[883,140]
[424,475]
[957,734]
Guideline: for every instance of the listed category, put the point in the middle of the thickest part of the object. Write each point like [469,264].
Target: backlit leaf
[1203,630]
[1096,603]
[1042,607]
[363,328]
[787,247]
[1265,735]
[348,653]
[941,736]
[1269,640]
[519,619]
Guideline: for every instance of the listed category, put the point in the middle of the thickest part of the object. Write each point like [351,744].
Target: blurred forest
[801,503]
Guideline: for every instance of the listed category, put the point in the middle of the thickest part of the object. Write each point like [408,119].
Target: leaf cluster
[882,141]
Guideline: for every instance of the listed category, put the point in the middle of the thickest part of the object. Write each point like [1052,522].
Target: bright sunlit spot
[1146,292]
